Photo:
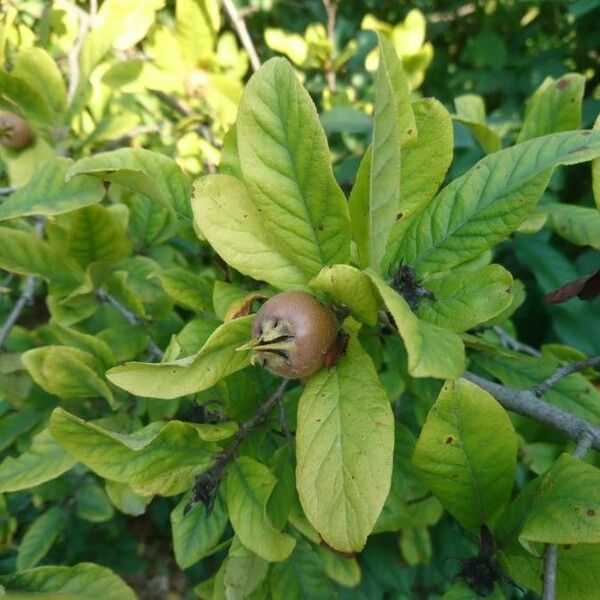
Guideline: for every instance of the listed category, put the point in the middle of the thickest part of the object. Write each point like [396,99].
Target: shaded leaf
[40,537]
[43,461]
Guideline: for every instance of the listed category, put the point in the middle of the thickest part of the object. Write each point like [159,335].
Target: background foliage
[130,102]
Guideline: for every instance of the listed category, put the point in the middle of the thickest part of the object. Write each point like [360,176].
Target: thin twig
[175,104]
[525,402]
[24,299]
[130,317]
[207,484]
[184,110]
[551,551]
[75,52]
[574,367]
[513,344]
[285,428]
[331,7]
[550,563]
[583,445]
[240,27]
[448,16]
[127,137]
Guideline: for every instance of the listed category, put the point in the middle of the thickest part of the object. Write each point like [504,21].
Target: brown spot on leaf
[399,216]
[590,512]
[449,439]
[561,84]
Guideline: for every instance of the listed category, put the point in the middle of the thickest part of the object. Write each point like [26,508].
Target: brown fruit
[15,132]
[292,335]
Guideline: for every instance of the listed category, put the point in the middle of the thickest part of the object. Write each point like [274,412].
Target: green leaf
[125,499]
[287,169]
[92,503]
[151,174]
[483,206]
[85,581]
[573,393]
[470,111]
[425,159]
[26,254]
[596,170]
[120,23]
[555,106]
[158,459]
[46,193]
[197,23]
[150,223]
[88,343]
[243,571]
[347,285]
[432,350]
[578,571]
[577,224]
[13,424]
[248,487]
[573,322]
[415,545]
[344,446]
[43,461]
[359,205]
[464,300]
[301,577]
[345,119]
[566,506]
[196,535]
[235,228]
[466,453]
[67,372]
[393,126]
[40,537]
[186,288]
[37,68]
[95,235]
[217,359]
[460,590]
[32,104]
[345,571]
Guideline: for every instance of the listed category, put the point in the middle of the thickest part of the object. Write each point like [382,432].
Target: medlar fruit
[15,132]
[294,335]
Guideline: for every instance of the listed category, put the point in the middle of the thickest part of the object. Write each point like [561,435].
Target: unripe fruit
[293,334]
[15,132]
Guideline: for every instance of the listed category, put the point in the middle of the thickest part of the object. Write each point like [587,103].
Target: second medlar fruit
[15,132]
[293,335]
